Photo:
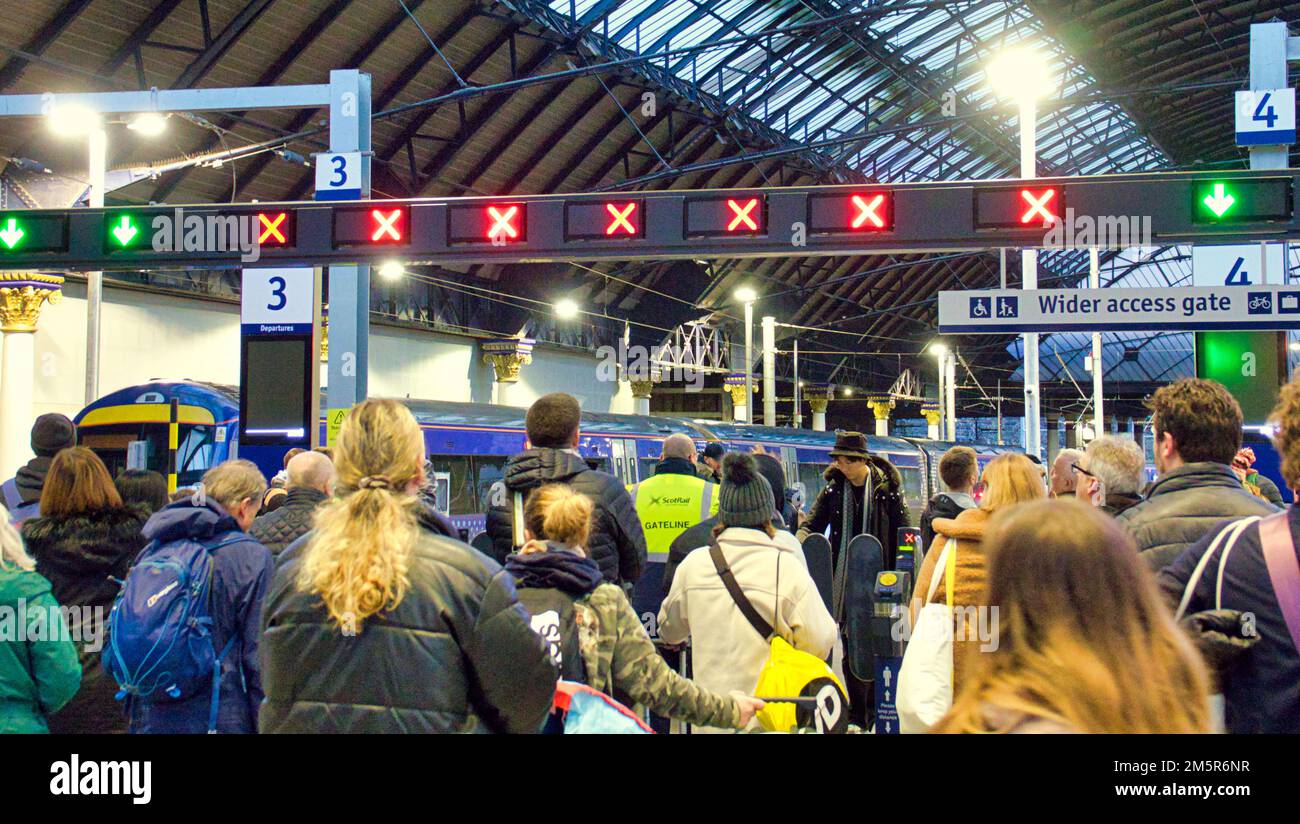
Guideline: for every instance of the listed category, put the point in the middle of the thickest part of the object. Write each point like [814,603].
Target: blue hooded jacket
[241,573]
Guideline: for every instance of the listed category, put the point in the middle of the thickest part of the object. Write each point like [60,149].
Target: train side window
[647,467]
[460,485]
[813,481]
[488,469]
[913,491]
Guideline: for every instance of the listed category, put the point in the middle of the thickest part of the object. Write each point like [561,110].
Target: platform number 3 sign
[338,176]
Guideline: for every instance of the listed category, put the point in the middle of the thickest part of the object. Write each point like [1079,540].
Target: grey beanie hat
[745,498]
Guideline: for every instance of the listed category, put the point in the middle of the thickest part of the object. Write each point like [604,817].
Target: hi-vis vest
[668,504]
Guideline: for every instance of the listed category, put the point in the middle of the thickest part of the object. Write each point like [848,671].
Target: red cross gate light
[621,218]
[275,229]
[1030,207]
[1039,206]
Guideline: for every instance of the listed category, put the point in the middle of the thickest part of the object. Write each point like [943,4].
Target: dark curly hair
[1203,417]
[1286,417]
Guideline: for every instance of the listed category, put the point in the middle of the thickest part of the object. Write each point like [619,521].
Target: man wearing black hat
[51,433]
[709,466]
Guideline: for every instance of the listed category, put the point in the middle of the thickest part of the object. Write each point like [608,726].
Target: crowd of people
[337,599]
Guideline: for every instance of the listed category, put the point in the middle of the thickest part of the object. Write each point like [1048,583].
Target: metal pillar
[943,396]
[1098,415]
[749,362]
[769,371]
[98,141]
[1029,266]
[798,402]
[349,286]
[1053,436]
[950,378]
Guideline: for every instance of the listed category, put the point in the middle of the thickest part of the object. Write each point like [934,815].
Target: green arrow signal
[1219,201]
[11,234]
[124,230]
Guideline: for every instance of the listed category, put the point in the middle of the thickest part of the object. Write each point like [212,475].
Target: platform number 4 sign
[1266,117]
[338,176]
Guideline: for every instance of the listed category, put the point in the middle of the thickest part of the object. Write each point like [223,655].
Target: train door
[623,451]
[789,465]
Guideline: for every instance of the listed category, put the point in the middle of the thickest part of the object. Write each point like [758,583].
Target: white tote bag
[925,679]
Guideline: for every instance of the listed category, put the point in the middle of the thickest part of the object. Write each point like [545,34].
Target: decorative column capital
[642,388]
[880,406]
[818,395]
[735,384]
[22,294]
[508,356]
[930,409]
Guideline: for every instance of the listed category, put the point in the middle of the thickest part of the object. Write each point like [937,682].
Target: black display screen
[275,406]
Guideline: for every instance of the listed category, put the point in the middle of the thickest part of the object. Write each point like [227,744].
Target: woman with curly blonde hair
[376,622]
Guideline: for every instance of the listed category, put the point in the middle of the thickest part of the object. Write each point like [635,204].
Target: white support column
[769,371]
[98,140]
[1098,416]
[1029,267]
[21,296]
[749,361]
[950,379]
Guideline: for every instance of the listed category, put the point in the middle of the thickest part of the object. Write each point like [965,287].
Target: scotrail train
[468,443]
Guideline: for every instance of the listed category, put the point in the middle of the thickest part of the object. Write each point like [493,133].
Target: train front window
[144,446]
[488,469]
[913,491]
[460,485]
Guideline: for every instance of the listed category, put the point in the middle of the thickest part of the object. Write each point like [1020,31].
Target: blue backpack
[160,644]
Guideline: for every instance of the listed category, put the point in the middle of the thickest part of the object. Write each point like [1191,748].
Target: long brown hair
[1011,479]
[1084,640]
[77,482]
[360,550]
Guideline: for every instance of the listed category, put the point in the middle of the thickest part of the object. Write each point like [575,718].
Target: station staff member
[674,499]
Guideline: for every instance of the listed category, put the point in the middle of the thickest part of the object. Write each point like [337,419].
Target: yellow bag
[788,673]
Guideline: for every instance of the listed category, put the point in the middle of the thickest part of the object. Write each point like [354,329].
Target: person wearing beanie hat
[727,653]
[51,434]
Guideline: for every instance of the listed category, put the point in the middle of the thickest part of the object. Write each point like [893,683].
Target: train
[468,443]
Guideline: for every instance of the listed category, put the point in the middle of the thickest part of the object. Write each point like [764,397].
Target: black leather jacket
[617,542]
[1185,504]
[457,654]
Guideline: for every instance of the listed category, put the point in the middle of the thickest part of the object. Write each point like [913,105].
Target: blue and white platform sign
[886,695]
[1237,265]
[1196,308]
[1266,117]
[338,176]
[277,301]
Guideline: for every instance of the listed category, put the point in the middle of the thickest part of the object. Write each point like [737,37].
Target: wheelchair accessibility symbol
[981,307]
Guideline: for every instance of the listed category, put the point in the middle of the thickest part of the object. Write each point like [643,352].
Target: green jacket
[620,658]
[39,668]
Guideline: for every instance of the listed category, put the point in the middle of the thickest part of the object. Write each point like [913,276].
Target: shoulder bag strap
[517,526]
[1283,570]
[1235,529]
[950,573]
[949,551]
[756,621]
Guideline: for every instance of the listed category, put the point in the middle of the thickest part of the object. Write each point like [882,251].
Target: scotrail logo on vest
[127,778]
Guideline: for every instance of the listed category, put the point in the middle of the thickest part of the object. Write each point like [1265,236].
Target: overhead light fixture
[1021,73]
[391,270]
[72,120]
[848,391]
[148,124]
[566,309]
[938,349]
[746,294]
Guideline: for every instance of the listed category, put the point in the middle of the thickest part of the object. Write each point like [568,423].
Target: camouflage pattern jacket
[622,661]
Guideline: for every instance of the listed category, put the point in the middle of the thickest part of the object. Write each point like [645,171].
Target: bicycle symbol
[1260,302]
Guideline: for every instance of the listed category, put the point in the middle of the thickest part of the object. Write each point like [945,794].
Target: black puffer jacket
[1185,504]
[943,505]
[81,555]
[617,542]
[276,530]
[456,655]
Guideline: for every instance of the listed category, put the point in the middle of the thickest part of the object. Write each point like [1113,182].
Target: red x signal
[1038,205]
[742,215]
[620,218]
[868,214]
[386,225]
[504,224]
[270,227]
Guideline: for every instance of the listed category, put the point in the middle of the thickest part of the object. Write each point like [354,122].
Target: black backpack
[553,617]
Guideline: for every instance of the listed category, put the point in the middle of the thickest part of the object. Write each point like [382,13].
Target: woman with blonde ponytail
[594,634]
[377,622]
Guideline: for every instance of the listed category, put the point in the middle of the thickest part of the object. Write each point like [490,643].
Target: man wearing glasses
[1109,474]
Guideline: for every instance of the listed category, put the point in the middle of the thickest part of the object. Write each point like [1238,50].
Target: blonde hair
[230,482]
[1010,479]
[555,512]
[12,552]
[359,554]
[1085,640]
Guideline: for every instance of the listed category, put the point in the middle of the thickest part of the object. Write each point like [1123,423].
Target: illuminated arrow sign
[1219,201]
[124,230]
[11,234]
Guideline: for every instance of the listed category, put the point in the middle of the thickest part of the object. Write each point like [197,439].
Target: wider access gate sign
[1000,311]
